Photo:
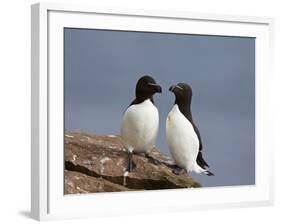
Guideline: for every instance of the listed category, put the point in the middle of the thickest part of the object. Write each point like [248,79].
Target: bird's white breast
[139,126]
[182,139]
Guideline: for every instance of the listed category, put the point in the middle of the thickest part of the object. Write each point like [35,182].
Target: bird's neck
[140,99]
[185,109]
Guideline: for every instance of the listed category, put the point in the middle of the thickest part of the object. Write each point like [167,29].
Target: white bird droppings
[103,160]
[125,178]
[80,189]
[74,158]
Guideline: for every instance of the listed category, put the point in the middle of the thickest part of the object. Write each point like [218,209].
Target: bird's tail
[209,173]
[200,160]
[200,170]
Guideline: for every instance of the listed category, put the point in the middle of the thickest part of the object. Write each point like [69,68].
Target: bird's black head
[183,93]
[146,87]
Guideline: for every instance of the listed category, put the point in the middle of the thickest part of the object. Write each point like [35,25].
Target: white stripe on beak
[178,87]
[152,84]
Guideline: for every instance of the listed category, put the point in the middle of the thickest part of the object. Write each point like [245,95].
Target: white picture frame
[48,201]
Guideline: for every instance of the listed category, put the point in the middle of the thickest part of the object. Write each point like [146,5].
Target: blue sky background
[102,68]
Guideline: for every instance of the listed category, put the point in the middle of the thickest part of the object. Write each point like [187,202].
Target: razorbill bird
[183,137]
[140,122]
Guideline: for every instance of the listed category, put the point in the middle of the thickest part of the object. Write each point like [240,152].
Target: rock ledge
[97,164]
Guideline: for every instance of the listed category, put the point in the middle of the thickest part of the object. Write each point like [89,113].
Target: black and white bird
[140,122]
[183,137]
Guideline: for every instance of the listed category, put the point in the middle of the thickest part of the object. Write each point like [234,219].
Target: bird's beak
[173,87]
[156,87]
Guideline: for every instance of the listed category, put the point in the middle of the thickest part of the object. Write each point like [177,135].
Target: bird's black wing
[133,102]
[200,161]
[136,101]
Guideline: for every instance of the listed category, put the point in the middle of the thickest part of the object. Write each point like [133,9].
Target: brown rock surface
[76,183]
[99,163]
